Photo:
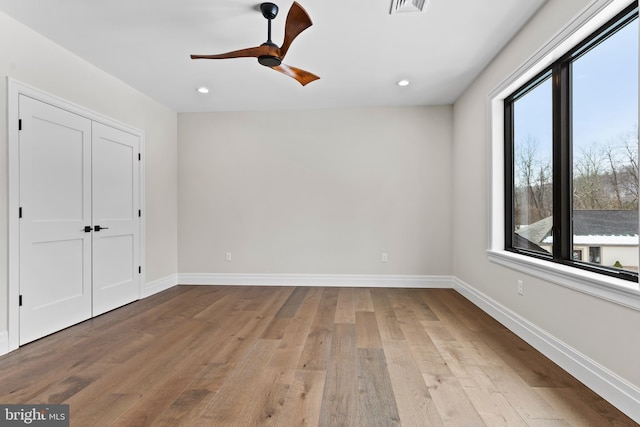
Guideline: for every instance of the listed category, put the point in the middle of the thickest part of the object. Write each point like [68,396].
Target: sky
[605,96]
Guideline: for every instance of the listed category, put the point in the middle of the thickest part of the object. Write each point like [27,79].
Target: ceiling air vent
[398,6]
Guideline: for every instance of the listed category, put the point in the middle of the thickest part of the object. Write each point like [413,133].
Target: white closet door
[55,200]
[116,242]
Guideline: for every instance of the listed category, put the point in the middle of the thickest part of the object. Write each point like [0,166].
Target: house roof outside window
[590,227]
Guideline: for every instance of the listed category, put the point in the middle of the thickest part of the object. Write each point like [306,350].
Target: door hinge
[20,212]
[20,301]
[139,156]
[140,270]
[19,124]
[139,213]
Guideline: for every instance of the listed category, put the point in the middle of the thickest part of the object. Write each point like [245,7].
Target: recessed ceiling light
[203,89]
[403,82]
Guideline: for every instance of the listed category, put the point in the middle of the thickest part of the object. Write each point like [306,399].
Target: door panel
[55,199]
[116,248]
[57,259]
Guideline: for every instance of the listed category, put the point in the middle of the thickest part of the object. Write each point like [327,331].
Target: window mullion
[562,164]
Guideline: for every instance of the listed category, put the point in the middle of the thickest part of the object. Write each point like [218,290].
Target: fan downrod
[269,10]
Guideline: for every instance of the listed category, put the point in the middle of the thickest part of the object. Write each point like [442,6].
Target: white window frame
[619,291]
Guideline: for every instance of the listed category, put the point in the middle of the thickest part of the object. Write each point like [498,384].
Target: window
[577,254]
[571,156]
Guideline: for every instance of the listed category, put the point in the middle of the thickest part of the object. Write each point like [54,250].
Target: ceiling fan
[268,53]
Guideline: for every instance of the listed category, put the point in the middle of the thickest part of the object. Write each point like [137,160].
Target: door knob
[98,228]
[87,229]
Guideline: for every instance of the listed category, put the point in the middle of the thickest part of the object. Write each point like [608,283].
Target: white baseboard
[342,280]
[159,285]
[4,342]
[616,390]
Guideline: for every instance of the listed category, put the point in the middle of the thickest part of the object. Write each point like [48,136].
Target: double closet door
[79,218]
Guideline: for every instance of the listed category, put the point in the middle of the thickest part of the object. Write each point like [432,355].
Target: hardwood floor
[281,356]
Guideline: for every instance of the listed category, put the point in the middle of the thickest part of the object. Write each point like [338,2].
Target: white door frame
[14,90]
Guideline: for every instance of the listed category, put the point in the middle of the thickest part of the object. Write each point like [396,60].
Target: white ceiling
[357,48]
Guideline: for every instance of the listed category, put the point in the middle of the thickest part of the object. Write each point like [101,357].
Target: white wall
[316,192]
[604,332]
[34,60]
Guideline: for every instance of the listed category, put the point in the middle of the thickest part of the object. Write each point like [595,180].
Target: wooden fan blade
[298,20]
[252,52]
[303,77]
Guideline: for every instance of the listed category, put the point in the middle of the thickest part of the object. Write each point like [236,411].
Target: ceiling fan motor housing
[269,60]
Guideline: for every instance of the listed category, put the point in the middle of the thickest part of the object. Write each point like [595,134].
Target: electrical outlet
[227,256]
[385,257]
[520,287]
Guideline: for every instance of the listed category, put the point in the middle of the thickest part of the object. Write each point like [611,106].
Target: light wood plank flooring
[284,356]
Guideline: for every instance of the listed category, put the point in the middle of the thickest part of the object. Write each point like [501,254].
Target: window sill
[610,289]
